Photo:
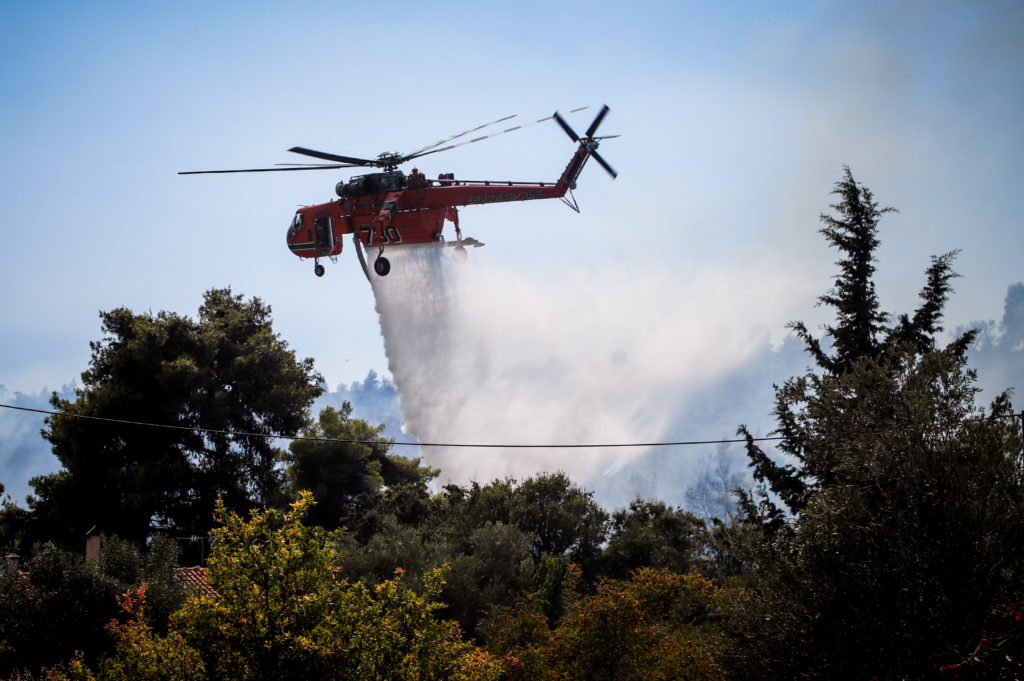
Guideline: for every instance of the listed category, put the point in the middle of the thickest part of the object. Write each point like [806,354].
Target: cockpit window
[296,223]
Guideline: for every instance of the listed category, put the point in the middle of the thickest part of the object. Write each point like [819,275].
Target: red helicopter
[391,208]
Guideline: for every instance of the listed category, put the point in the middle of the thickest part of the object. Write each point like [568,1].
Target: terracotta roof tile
[194,579]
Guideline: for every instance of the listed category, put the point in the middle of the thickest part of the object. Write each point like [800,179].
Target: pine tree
[892,540]
[226,373]
[860,332]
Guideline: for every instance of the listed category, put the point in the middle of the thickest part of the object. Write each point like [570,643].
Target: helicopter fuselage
[392,209]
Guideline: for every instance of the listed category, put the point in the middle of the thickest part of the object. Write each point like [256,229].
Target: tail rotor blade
[597,121]
[604,164]
[565,126]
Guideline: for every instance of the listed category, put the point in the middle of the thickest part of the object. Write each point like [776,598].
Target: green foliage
[559,516]
[339,474]
[652,534]
[854,231]
[562,515]
[493,537]
[891,540]
[225,371]
[907,552]
[653,626]
[393,546]
[493,571]
[860,334]
[492,566]
[165,593]
[354,477]
[268,571]
[57,602]
[13,522]
[884,539]
[144,656]
[285,610]
[555,586]
[460,510]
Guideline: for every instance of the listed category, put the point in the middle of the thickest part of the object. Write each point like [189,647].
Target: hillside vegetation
[884,538]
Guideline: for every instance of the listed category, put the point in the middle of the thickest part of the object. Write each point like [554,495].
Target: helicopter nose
[289,238]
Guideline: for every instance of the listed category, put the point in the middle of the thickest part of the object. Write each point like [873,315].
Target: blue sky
[736,120]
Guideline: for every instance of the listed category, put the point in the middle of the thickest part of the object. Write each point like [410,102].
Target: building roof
[194,579]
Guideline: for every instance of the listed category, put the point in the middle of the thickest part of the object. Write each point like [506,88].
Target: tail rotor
[589,139]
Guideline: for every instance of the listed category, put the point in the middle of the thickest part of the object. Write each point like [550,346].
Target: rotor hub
[390,160]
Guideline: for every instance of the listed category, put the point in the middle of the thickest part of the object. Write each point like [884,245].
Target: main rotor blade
[604,164]
[333,157]
[261,170]
[597,121]
[565,126]
[449,139]
[493,134]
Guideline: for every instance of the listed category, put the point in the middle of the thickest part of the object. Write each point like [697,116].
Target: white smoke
[482,353]
[24,454]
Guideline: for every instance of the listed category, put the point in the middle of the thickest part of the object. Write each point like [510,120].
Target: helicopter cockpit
[320,237]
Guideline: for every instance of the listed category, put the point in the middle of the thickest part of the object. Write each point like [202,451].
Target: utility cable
[271,436]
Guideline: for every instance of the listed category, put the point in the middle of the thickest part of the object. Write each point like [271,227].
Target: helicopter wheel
[318,270]
[460,254]
[381,266]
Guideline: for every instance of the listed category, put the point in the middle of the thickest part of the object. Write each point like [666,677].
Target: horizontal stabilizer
[468,241]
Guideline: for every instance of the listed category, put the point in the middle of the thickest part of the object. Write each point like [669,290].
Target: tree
[893,541]
[285,610]
[652,534]
[655,625]
[341,470]
[344,462]
[490,562]
[13,521]
[859,334]
[860,321]
[496,539]
[226,372]
[57,602]
[562,516]
[141,655]
[494,570]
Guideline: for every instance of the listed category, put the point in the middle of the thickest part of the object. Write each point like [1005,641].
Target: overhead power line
[271,436]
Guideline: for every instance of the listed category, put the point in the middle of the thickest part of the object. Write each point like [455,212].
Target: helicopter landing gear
[318,270]
[381,265]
